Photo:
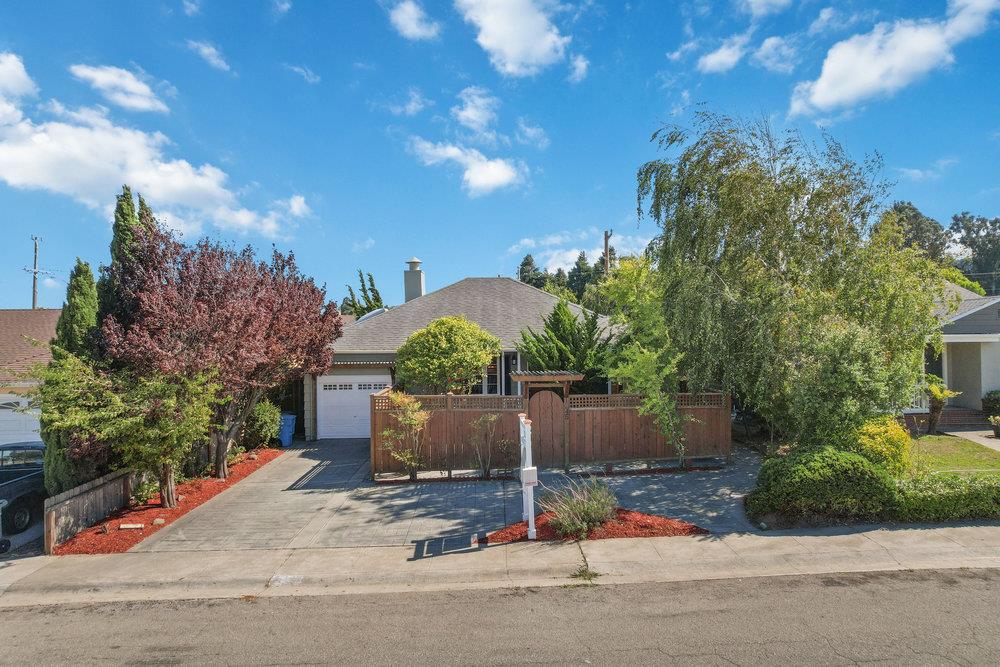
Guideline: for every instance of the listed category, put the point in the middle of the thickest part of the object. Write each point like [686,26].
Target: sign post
[528,475]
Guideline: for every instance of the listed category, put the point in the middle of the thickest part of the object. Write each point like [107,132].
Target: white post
[529,476]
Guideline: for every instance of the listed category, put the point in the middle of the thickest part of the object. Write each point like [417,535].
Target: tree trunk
[934,415]
[168,488]
[230,423]
[220,452]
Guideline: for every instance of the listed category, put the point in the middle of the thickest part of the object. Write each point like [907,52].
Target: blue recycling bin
[287,429]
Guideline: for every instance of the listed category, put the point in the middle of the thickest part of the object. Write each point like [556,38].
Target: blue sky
[466,132]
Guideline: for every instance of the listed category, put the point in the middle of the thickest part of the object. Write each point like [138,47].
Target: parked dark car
[22,485]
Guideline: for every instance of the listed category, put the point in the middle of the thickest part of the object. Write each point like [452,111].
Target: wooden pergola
[536,379]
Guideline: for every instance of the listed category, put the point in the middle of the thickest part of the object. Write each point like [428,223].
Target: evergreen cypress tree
[580,276]
[79,313]
[127,224]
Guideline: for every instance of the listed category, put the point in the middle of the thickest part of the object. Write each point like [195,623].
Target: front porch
[969,363]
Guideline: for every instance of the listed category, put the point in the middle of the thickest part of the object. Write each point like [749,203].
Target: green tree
[954,275]
[112,299]
[765,238]
[567,342]
[981,236]
[921,231]
[150,421]
[74,334]
[370,299]
[642,356]
[560,291]
[78,318]
[581,275]
[529,273]
[449,354]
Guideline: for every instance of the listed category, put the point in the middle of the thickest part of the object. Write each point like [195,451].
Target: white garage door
[16,426]
[343,404]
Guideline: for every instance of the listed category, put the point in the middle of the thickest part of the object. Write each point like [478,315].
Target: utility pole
[34,275]
[607,251]
[35,272]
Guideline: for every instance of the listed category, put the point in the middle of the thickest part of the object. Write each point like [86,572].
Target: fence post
[449,445]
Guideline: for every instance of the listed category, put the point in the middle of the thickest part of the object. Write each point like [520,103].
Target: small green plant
[585,573]
[938,393]
[885,442]
[949,497]
[406,442]
[490,449]
[991,403]
[262,425]
[146,486]
[579,507]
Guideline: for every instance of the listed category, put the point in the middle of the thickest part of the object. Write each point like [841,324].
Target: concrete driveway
[319,495]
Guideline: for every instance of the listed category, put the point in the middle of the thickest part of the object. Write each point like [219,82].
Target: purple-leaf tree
[209,308]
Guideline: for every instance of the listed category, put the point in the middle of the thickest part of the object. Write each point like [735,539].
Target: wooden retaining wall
[588,428]
[83,506]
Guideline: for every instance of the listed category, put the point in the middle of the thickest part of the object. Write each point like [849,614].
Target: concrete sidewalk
[439,566]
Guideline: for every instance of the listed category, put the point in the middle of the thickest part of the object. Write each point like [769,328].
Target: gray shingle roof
[969,302]
[502,306]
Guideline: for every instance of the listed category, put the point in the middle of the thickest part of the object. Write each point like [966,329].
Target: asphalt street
[926,617]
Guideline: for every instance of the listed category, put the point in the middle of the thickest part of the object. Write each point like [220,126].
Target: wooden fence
[588,428]
[83,506]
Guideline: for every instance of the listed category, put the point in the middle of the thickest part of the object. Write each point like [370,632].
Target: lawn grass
[948,452]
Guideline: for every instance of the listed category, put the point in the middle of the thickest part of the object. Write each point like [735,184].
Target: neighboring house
[970,360]
[338,404]
[17,355]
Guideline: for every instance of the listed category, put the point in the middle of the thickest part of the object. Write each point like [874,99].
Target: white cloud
[560,250]
[362,246]
[51,283]
[890,57]
[776,54]
[929,174]
[480,175]
[296,205]
[120,87]
[726,56]
[578,67]
[209,54]
[14,79]
[682,50]
[410,21]
[681,105]
[531,135]
[191,7]
[758,8]
[82,154]
[517,34]
[414,104]
[281,7]
[477,112]
[307,74]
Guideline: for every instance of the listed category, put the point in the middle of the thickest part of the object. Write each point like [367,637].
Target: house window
[329,387]
[492,379]
[338,387]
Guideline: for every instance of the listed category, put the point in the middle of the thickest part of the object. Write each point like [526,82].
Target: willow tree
[763,240]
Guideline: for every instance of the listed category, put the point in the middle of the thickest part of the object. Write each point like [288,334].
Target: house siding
[984,321]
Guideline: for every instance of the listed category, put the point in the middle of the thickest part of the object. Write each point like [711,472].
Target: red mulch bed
[626,524]
[107,538]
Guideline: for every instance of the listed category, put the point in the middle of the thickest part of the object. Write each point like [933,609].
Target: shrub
[824,483]
[406,442]
[262,425]
[491,449]
[949,497]
[885,442]
[449,354]
[991,403]
[579,507]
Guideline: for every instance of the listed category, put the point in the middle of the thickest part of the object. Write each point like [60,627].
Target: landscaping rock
[131,526]
[159,521]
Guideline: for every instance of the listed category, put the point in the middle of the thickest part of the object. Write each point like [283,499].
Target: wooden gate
[548,414]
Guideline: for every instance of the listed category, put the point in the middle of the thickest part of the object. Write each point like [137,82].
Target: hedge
[949,497]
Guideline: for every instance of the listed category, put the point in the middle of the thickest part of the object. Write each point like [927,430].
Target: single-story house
[338,405]
[17,355]
[970,360]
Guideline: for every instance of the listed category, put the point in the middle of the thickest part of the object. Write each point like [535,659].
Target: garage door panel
[17,426]
[343,404]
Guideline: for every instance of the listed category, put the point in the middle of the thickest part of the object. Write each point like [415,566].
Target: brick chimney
[413,280]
